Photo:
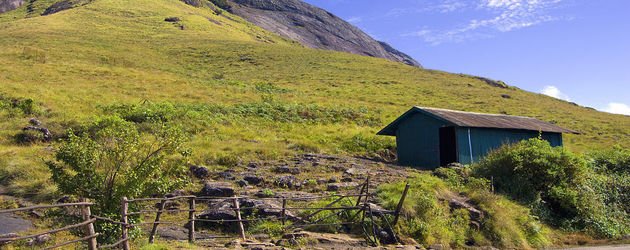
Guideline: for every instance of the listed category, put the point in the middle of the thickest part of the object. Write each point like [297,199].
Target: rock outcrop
[9,5]
[315,28]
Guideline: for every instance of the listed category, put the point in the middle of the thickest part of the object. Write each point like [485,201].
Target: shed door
[448,146]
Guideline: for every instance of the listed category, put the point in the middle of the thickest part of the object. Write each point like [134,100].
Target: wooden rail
[361,206]
[87,224]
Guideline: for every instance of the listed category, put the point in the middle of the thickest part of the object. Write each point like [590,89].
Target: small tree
[113,158]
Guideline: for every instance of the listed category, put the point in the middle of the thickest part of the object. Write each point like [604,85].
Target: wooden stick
[400,204]
[284,211]
[89,229]
[191,219]
[157,221]
[319,210]
[49,232]
[45,206]
[114,245]
[241,229]
[125,223]
[89,238]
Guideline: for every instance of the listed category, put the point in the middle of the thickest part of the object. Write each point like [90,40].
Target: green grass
[76,63]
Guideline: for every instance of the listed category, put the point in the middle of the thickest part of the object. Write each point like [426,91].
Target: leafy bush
[194,115]
[19,106]
[223,4]
[372,146]
[111,158]
[558,185]
[428,218]
[616,160]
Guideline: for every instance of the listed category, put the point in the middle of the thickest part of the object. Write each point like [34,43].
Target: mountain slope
[315,28]
[244,92]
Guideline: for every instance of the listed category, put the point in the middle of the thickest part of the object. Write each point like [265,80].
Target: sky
[576,50]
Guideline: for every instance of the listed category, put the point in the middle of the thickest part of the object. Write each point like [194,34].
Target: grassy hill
[244,93]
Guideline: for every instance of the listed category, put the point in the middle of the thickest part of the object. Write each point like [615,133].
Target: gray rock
[223,210]
[34,122]
[315,28]
[287,170]
[9,5]
[242,183]
[39,240]
[332,187]
[200,172]
[475,214]
[217,189]
[287,181]
[254,180]
[172,19]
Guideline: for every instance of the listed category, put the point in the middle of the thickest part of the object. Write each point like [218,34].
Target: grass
[428,218]
[244,92]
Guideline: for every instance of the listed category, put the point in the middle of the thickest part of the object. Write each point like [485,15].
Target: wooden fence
[87,224]
[360,208]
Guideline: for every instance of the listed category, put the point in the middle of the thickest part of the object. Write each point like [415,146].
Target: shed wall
[418,141]
[484,140]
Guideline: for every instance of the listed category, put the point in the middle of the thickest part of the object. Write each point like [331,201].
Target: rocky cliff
[315,28]
[8,5]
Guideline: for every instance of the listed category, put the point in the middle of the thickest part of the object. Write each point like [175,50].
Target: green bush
[560,187]
[19,106]
[111,158]
[428,218]
[371,145]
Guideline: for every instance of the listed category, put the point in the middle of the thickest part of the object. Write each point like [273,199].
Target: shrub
[111,159]
[223,4]
[559,186]
[19,106]
[427,217]
[371,146]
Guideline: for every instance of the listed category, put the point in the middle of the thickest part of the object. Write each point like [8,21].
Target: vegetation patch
[566,190]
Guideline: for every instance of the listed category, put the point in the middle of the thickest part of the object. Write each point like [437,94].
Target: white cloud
[355,19]
[617,108]
[555,92]
[505,16]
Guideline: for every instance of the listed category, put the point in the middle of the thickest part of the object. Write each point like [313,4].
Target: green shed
[431,137]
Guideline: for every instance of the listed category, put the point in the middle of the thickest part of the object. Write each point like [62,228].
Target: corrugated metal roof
[480,120]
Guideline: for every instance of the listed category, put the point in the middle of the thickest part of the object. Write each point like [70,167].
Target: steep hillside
[244,92]
[315,28]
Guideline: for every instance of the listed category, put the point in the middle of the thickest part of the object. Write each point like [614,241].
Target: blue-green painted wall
[484,140]
[418,141]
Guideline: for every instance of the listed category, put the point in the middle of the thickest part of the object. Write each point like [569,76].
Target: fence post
[237,209]
[284,210]
[89,228]
[191,219]
[157,221]
[400,204]
[125,223]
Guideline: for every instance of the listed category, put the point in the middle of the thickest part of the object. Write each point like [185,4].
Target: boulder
[217,189]
[287,181]
[39,240]
[223,210]
[253,165]
[34,122]
[287,170]
[200,171]
[475,214]
[172,19]
[254,180]
[242,183]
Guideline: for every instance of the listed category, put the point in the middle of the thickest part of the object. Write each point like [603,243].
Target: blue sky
[578,50]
